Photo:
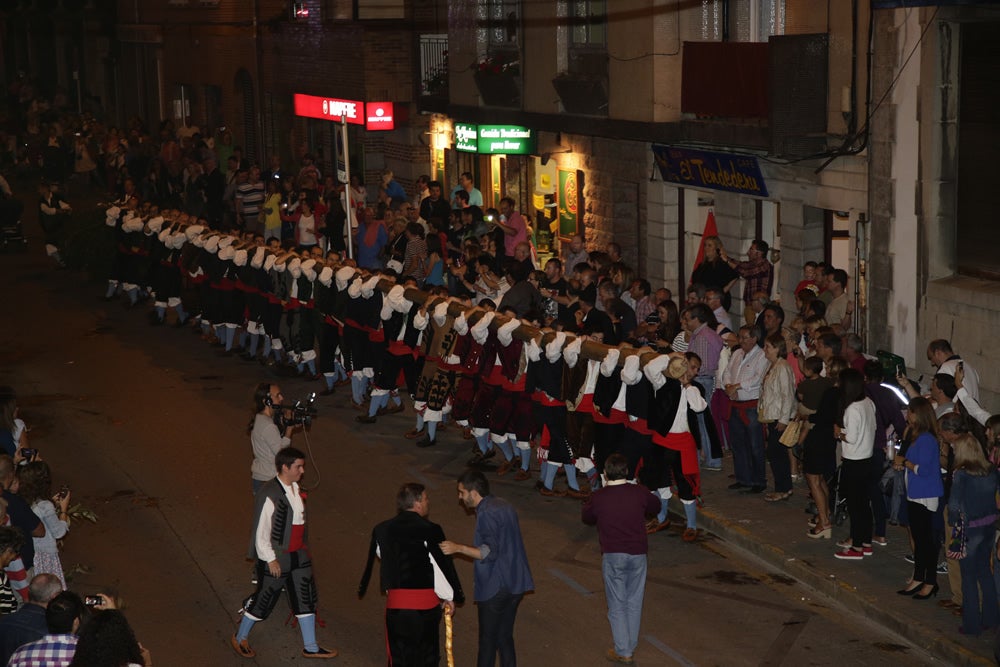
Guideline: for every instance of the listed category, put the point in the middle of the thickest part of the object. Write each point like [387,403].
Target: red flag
[710,230]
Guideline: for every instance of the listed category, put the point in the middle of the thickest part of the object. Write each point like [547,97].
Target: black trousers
[412,637]
[925,545]
[496,629]
[855,476]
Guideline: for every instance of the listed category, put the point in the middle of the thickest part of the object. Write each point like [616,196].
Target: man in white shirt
[742,381]
[940,354]
[280,549]
[713,299]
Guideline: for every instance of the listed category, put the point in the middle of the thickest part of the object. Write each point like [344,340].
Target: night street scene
[499,332]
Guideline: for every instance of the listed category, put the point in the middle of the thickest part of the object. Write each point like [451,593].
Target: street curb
[848,595]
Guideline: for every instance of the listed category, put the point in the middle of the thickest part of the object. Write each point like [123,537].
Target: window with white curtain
[749,20]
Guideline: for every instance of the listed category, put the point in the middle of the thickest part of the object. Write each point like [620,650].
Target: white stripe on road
[569,581]
[678,658]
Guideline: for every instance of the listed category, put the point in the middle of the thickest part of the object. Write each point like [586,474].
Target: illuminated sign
[379,116]
[506,140]
[465,138]
[494,139]
[329,108]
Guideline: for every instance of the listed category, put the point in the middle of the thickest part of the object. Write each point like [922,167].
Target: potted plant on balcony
[498,79]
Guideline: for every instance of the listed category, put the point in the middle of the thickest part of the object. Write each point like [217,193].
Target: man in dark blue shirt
[501,571]
[27,624]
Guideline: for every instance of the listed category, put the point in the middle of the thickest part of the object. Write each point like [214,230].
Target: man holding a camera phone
[265,437]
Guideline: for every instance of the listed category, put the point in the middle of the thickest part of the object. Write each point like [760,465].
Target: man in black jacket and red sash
[418,579]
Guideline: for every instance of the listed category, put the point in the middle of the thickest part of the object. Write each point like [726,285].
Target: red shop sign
[330,108]
[379,116]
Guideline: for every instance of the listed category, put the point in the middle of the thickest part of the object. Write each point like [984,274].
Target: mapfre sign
[379,115]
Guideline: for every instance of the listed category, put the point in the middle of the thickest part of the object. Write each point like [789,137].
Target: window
[977,234]
[380,9]
[749,20]
[588,21]
[499,24]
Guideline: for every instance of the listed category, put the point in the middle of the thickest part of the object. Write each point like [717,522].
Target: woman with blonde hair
[972,505]
[714,272]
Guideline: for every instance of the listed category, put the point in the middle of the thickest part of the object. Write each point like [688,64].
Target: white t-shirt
[858,435]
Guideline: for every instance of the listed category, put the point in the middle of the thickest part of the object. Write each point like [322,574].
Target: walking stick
[448,636]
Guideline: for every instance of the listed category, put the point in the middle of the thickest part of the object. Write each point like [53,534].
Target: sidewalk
[776,533]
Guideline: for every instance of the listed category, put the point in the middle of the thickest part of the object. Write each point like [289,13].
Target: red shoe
[654,526]
[690,534]
[505,468]
[551,493]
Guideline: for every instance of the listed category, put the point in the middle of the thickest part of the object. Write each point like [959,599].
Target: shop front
[802,215]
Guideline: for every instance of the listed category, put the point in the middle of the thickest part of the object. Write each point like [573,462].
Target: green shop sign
[494,139]
[465,138]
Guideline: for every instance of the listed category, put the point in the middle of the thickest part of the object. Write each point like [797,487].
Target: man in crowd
[705,342]
[279,545]
[418,579]
[465,183]
[620,511]
[840,310]
[713,299]
[515,228]
[28,624]
[63,616]
[756,271]
[576,254]
[433,206]
[501,571]
[642,302]
[940,354]
[772,318]
[249,200]
[742,381]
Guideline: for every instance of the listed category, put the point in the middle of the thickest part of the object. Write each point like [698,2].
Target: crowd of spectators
[788,385]
[41,621]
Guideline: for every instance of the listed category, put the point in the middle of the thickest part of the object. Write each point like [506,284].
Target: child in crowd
[35,487]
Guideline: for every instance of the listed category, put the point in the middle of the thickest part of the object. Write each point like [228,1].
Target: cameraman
[265,438]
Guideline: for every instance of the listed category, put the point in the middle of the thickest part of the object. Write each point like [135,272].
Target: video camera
[298,413]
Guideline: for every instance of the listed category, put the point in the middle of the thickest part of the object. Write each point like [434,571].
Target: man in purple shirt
[620,510]
[705,342]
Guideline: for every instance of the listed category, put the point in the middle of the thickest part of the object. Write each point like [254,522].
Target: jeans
[496,629]
[855,477]
[777,455]
[747,441]
[624,587]
[976,579]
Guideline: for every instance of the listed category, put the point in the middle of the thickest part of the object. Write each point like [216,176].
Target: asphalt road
[148,427]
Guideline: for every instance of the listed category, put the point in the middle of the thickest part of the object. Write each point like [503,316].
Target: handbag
[790,436]
[957,545]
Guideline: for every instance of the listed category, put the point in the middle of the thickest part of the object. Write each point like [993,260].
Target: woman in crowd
[35,487]
[13,433]
[924,488]
[856,432]
[972,504]
[714,272]
[819,452]
[107,640]
[776,409]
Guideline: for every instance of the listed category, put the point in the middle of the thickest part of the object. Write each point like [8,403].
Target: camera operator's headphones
[263,396]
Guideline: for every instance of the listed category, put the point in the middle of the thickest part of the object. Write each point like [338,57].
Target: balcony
[759,95]
[583,88]
[434,68]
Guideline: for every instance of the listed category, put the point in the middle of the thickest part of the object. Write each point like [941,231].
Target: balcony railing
[434,65]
